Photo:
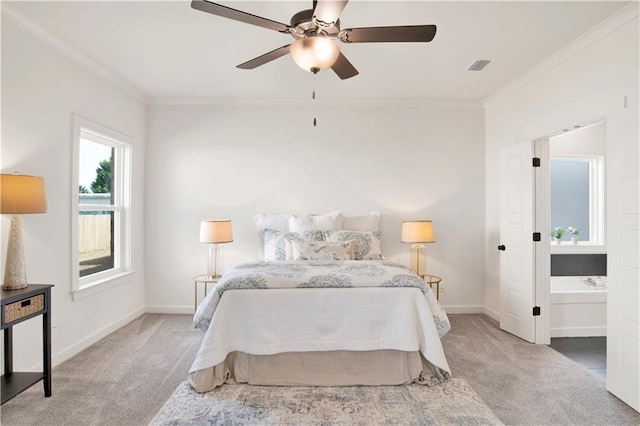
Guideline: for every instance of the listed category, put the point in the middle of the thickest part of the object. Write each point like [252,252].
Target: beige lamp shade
[420,231]
[216,231]
[19,194]
[22,194]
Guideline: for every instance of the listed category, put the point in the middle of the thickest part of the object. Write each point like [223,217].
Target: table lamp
[215,232]
[19,194]
[417,232]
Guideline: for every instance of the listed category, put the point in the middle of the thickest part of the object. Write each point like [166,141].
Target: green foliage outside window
[102,183]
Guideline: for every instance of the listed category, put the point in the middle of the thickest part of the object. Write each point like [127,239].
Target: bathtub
[577,309]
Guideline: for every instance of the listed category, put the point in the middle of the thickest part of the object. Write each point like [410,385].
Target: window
[577,197]
[101,205]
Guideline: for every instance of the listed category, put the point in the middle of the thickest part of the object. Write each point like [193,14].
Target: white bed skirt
[333,368]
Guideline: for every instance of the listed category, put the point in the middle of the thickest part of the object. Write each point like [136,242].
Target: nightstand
[431,280]
[202,279]
[18,306]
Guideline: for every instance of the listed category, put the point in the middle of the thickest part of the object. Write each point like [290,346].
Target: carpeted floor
[529,384]
[126,378]
[121,380]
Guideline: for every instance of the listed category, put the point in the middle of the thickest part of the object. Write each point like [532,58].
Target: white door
[623,264]
[516,241]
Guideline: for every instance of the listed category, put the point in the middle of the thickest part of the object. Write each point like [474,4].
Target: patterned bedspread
[318,274]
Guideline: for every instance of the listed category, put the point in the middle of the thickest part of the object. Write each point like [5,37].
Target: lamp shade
[216,231]
[314,53]
[420,231]
[22,194]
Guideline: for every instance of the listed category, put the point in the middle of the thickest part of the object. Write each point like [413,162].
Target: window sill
[567,247]
[103,284]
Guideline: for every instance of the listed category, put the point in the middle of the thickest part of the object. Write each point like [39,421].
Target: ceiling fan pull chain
[313,98]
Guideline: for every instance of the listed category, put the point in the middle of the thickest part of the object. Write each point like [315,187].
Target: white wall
[589,140]
[41,89]
[237,159]
[588,80]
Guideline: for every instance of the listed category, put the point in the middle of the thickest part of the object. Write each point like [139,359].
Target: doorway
[525,227]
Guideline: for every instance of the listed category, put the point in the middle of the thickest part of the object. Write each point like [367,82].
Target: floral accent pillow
[274,242]
[366,243]
[322,250]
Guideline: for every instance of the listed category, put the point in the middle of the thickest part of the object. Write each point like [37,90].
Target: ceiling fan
[315,32]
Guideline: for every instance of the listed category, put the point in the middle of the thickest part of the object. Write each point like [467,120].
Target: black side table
[18,306]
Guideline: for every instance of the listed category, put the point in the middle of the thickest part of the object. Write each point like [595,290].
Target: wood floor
[588,351]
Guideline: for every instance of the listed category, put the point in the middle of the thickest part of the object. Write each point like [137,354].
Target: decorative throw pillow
[274,242]
[362,222]
[320,222]
[366,243]
[322,250]
[275,221]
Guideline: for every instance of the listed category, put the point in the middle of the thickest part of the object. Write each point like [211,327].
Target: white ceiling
[166,49]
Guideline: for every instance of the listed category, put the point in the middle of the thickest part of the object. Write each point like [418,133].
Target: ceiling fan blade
[263,59]
[410,33]
[327,12]
[238,15]
[343,68]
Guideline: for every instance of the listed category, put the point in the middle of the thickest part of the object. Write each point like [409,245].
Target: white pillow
[366,243]
[322,250]
[321,222]
[362,222]
[275,221]
[274,242]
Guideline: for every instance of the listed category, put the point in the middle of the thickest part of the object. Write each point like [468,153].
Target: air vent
[479,65]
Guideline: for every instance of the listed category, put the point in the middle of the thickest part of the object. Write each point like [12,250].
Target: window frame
[121,187]
[596,242]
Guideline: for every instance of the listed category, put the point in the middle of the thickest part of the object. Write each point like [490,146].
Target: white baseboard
[491,313]
[62,355]
[167,309]
[463,309]
[598,331]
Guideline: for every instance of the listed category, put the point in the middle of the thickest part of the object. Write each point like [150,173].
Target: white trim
[601,30]
[542,250]
[71,53]
[491,313]
[82,287]
[65,354]
[168,309]
[351,102]
[100,285]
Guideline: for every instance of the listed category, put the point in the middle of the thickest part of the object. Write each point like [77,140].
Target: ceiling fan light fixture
[314,53]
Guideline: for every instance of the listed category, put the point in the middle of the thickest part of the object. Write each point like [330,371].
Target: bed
[323,309]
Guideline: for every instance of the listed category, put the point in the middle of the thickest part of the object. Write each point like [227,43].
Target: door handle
[501,247]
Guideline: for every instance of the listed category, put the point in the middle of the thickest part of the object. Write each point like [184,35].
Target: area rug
[453,402]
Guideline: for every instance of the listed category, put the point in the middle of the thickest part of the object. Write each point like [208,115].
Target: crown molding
[598,32]
[79,58]
[350,102]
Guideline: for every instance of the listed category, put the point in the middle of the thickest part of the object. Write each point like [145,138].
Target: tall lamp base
[214,260]
[15,276]
[417,262]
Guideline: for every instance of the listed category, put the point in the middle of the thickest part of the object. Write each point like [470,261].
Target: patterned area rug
[453,402]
